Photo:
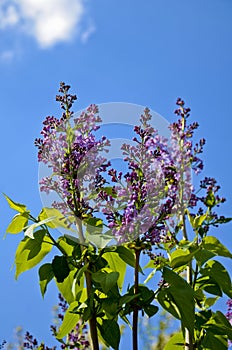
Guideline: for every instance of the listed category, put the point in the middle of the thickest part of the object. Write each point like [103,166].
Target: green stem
[136,309]
[189,341]
[88,279]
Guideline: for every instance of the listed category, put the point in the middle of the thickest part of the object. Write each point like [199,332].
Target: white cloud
[48,21]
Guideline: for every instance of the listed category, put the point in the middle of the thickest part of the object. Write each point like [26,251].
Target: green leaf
[106,280]
[210,200]
[215,246]
[110,191]
[209,285]
[213,341]
[70,287]
[218,324]
[31,251]
[179,299]
[57,218]
[110,332]
[175,343]
[126,255]
[69,322]
[203,255]
[64,243]
[60,268]
[210,302]
[18,223]
[217,271]
[180,257]
[118,265]
[21,208]
[149,265]
[95,222]
[151,310]
[127,298]
[110,305]
[166,300]
[198,220]
[45,276]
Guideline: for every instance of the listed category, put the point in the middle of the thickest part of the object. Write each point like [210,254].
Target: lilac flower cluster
[184,156]
[139,193]
[141,202]
[73,154]
[157,184]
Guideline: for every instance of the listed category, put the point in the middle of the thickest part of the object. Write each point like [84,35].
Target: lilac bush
[151,208]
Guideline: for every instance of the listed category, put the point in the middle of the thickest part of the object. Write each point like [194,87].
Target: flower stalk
[136,308]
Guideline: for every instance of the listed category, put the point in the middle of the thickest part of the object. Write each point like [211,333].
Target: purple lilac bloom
[73,154]
[184,157]
[157,184]
[141,194]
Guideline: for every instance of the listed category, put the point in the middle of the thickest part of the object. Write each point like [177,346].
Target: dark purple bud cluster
[66,100]
[181,111]
[32,343]
[211,187]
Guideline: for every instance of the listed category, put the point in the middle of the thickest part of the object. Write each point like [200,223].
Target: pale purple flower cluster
[157,184]
[73,154]
[184,156]
[140,192]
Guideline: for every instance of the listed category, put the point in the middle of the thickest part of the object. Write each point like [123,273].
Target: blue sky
[143,52]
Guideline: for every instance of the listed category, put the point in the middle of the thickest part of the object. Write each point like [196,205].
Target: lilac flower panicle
[73,154]
[158,182]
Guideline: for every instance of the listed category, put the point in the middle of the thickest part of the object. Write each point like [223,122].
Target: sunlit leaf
[18,223]
[175,343]
[57,218]
[21,208]
[31,251]
[215,246]
[69,322]
[118,265]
